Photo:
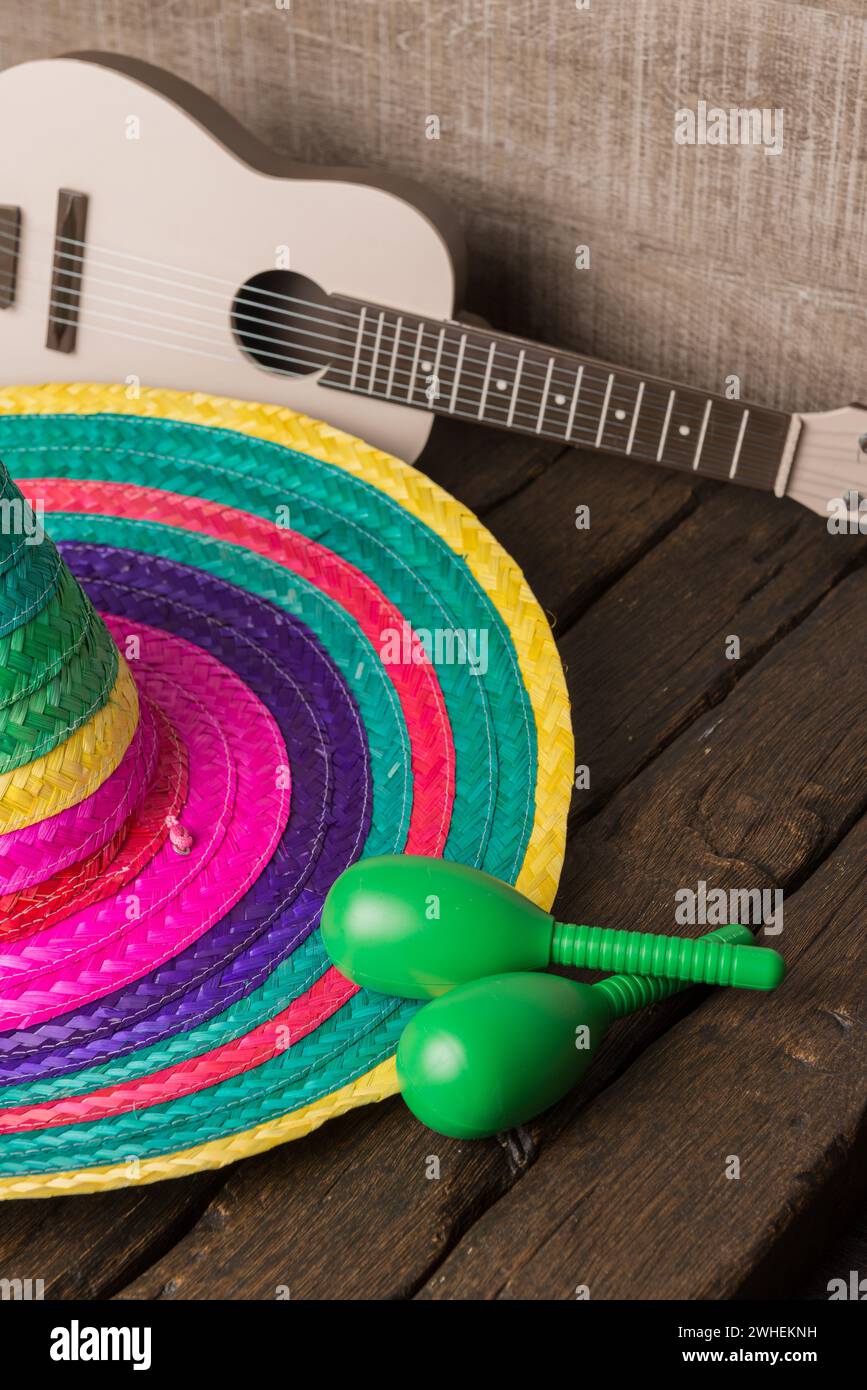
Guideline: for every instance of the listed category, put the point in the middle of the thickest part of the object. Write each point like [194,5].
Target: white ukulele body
[172,205]
[182,208]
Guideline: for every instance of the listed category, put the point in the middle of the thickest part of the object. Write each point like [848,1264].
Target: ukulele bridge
[65,298]
[10,240]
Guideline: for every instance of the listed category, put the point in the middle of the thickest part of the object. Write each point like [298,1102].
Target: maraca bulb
[493,1053]
[416,927]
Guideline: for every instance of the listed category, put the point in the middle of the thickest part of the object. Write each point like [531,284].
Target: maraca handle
[706,961]
[626,994]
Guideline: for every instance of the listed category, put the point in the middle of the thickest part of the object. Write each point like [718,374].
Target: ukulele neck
[493,378]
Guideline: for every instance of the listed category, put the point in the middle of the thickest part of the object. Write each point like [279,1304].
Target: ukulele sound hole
[284,323]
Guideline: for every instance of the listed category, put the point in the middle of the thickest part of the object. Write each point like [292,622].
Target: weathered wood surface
[631,1197]
[746,773]
[557,129]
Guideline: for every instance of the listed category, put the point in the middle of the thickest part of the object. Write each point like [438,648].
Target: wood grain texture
[557,130]
[631,1196]
[355,1212]
[639,676]
[744,796]
[89,1249]
[755,792]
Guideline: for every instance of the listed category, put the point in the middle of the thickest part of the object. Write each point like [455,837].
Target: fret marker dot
[683,429]
[501,384]
[620,414]
[427,367]
[559,400]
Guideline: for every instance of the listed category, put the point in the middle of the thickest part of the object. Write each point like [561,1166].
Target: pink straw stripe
[37,852]
[236,810]
[416,684]
[276,1035]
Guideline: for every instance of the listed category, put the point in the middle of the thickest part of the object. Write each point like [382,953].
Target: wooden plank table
[743,772]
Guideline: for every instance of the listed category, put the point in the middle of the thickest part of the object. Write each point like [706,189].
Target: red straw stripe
[416,684]
[274,1036]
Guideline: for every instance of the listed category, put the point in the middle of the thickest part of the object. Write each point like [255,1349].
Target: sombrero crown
[73,753]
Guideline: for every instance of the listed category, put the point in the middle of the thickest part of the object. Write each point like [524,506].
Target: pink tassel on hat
[180,837]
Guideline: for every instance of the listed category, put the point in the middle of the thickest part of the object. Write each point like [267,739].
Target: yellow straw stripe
[75,768]
[538,661]
[375,1085]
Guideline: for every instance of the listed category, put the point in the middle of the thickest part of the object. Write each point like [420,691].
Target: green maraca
[417,927]
[493,1053]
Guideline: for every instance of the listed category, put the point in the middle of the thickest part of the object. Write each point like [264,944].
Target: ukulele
[146,236]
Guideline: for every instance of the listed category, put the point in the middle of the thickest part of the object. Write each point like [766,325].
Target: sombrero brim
[239,1040]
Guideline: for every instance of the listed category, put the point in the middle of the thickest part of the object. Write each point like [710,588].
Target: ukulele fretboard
[476,374]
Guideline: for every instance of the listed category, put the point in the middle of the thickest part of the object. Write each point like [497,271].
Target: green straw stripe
[56,671]
[25,588]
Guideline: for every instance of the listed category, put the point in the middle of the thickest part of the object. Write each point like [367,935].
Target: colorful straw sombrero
[238,651]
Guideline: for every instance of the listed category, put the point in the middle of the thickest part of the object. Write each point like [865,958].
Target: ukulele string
[556,436]
[528,373]
[164,345]
[711,457]
[650,412]
[596,392]
[808,477]
[331,307]
[592,394]
[447,354]
[745,474]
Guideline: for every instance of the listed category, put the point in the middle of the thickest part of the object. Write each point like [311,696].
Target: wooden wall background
[557,129]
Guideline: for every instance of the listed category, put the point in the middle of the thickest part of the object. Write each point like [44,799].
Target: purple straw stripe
[331,799]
